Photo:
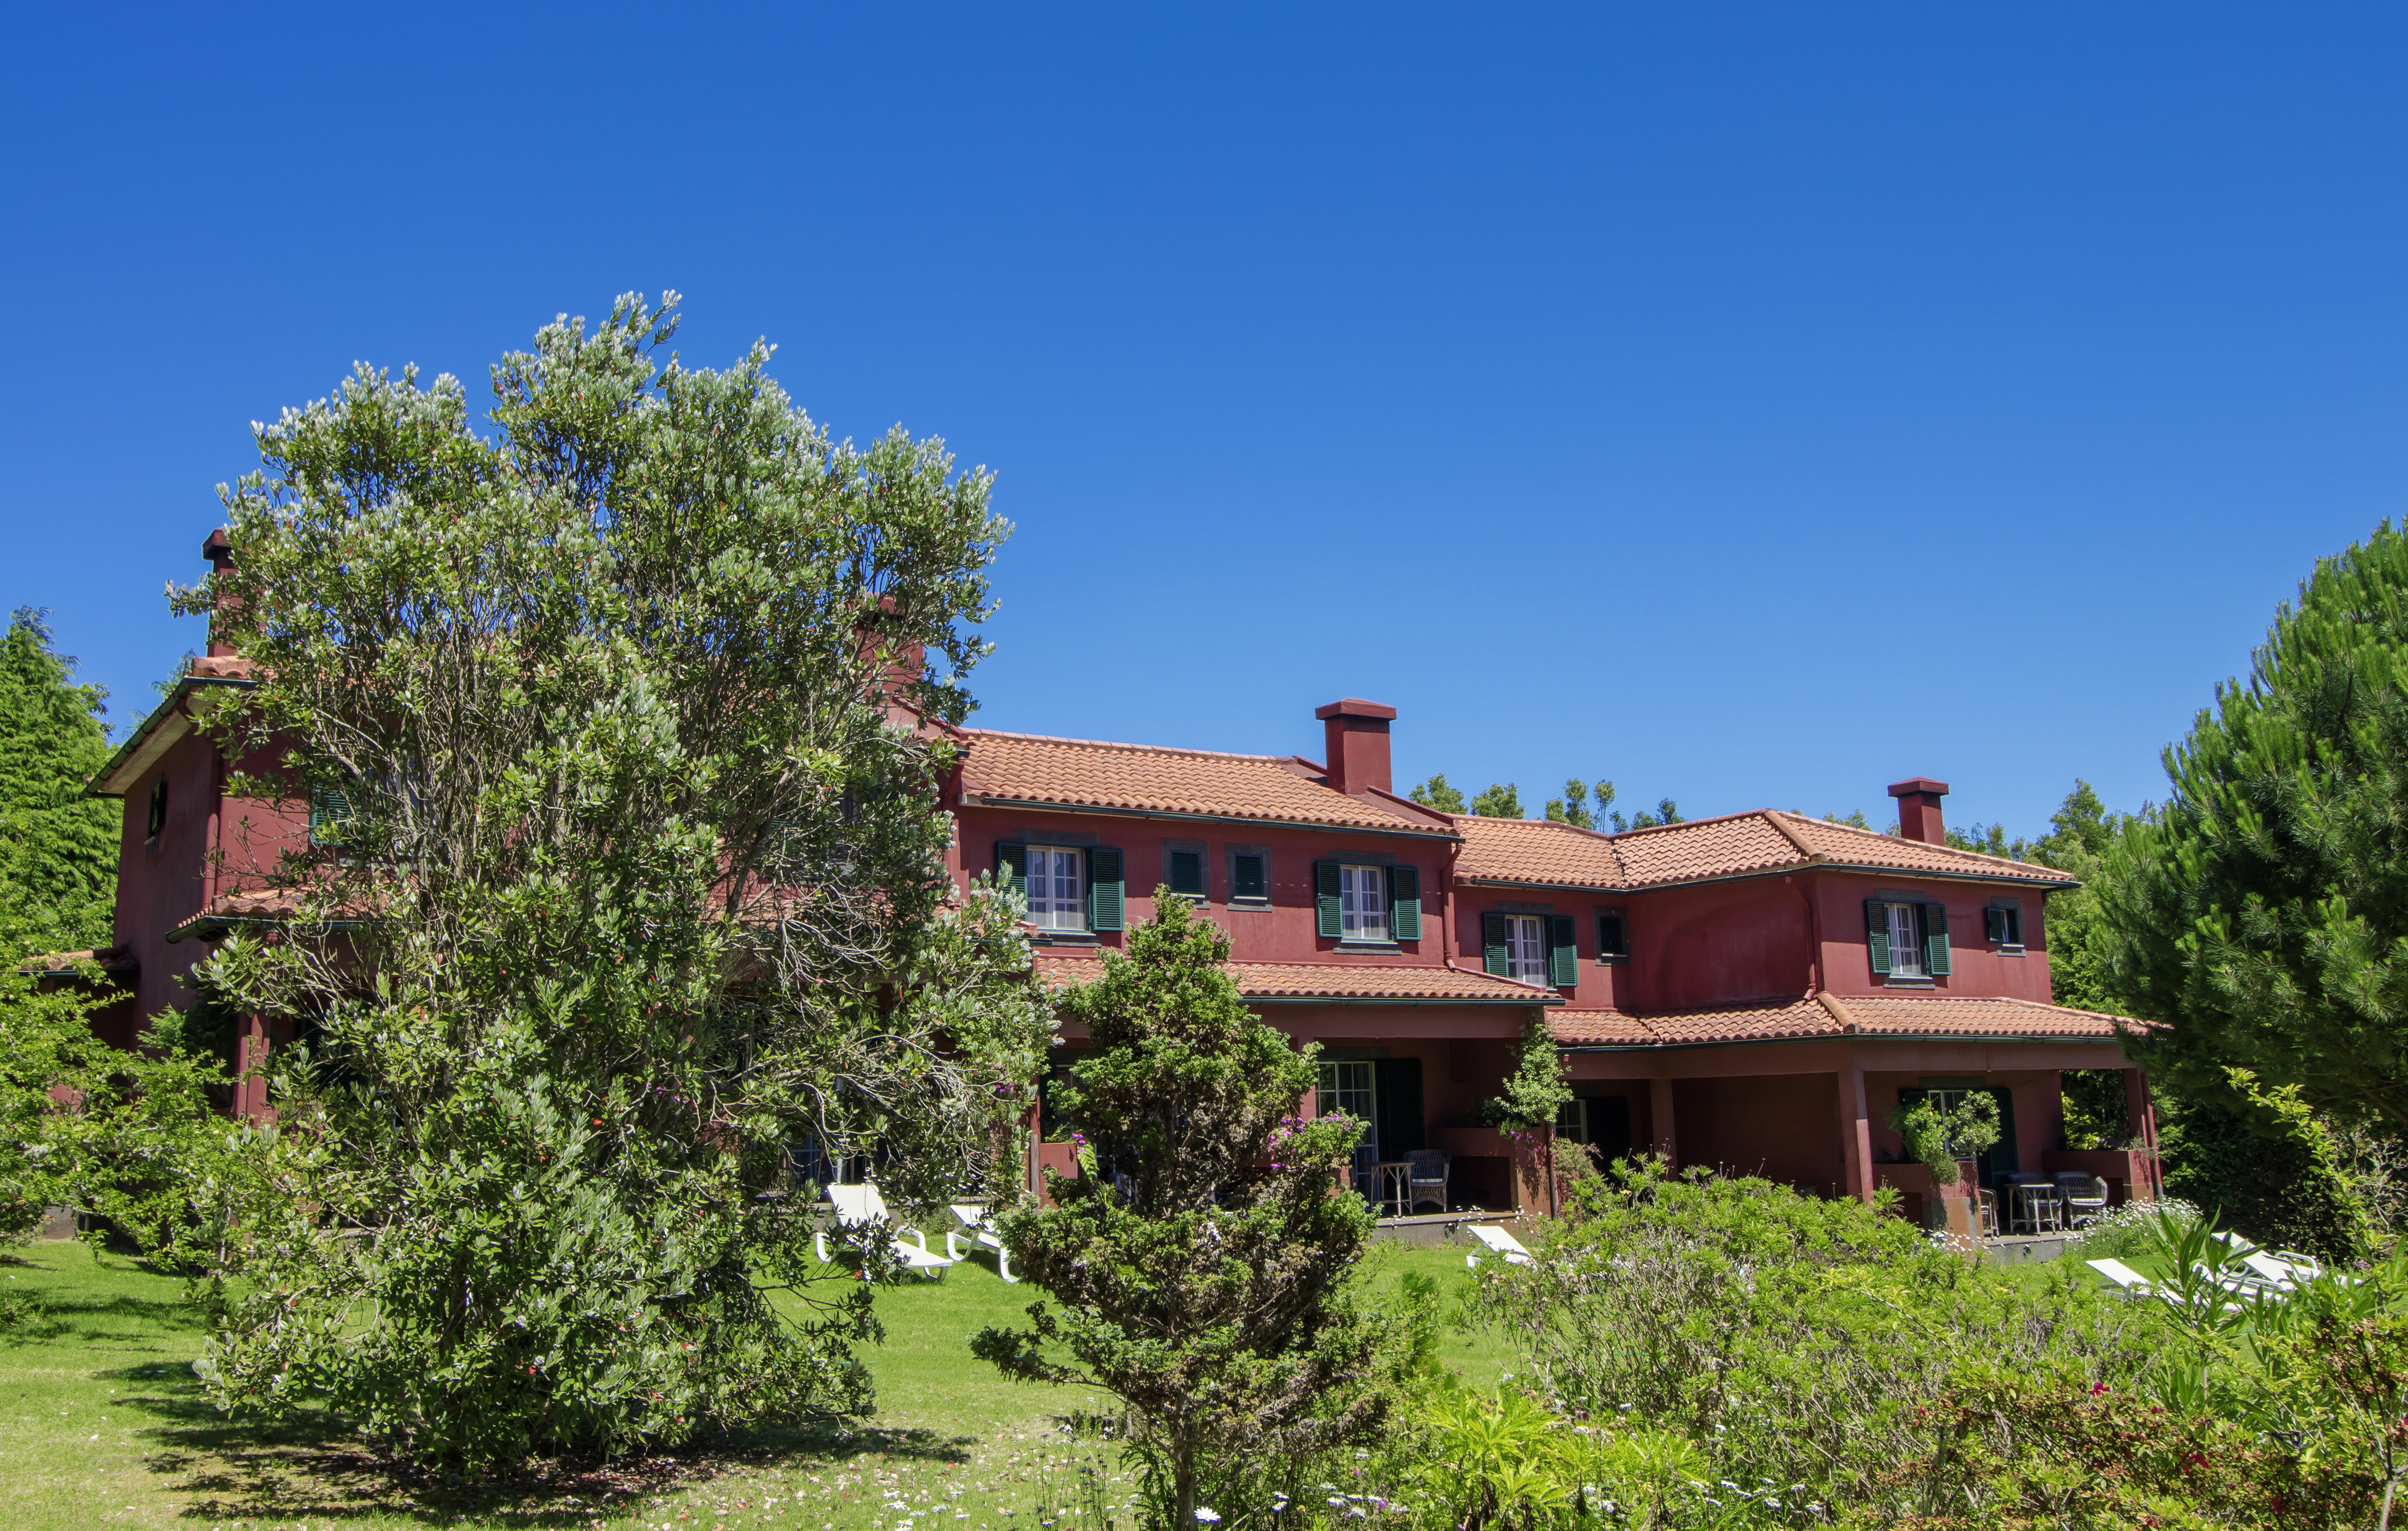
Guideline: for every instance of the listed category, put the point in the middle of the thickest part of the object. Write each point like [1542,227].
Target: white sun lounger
[1498,1242]
[862,1206]
[982,1234]
[2121,1275]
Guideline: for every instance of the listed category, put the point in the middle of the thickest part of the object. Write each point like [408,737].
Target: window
[329,811]
[1613,936]
[1526,949]
[1364,892]
[1907,939]
[1058,890]
[1184,870]
[1534,949]
[2004,925]
[1347,1089]
[158,811]
[1571,1121]
[1250,876]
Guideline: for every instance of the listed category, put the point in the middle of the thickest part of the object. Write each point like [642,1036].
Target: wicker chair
[1428,1176]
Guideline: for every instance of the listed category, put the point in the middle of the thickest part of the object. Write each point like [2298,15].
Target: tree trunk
[1184,1479]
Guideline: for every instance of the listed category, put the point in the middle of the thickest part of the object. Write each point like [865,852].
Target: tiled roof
[113,960]
[1832,1016]
[1138,778]
[1337,981]
[1537,851]
[241,907]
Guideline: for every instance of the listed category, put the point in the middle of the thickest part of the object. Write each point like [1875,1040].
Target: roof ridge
[1117,743]
[1692,823]
[1901,840]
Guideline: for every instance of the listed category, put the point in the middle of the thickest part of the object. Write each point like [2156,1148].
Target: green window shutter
[1404,904]
[1246,879]
[1187,872]
[1012,866]
[1329,910]
[1994,925]
[1492,943]
[1877,932]
[1563,951]
[328,809]
[1106,893]
[1935,939]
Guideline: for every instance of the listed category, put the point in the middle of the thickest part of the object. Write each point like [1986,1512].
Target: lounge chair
[1498,1242]
[2123,1275]
[980,1233]
[862,1206]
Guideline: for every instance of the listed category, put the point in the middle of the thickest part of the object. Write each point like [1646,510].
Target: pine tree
[1572,807]
[1200,1264]
[58,848]
[1436,793]
[1500,800]
[2262,913]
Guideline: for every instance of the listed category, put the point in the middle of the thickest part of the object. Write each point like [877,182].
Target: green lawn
[102,1424]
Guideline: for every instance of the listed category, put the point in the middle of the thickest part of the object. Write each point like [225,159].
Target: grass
[103,1424]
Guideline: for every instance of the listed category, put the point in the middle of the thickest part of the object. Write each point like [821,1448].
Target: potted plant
[1946,1141]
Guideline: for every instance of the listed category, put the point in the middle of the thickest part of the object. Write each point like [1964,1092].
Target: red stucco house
[1752,991]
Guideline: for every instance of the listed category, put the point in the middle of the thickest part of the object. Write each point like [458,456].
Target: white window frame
[1363,903]
[1906,941]
[1351,1086]
[1526,949]
[1050,869]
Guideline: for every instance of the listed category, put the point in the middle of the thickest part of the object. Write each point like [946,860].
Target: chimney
[1357,738]
[1918,809]
[219,552]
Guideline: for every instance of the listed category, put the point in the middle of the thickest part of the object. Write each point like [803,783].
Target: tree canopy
[626,888]
[2261,913]
[58,848]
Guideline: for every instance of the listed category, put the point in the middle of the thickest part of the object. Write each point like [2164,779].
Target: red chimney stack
[1356,733]
[219,552]
[1918,809]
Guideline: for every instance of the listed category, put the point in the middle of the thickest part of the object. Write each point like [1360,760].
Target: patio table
[2036,1206]
[1392,1183]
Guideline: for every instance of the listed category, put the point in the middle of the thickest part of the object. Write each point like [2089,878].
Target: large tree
[1202,1264]
[58,848]
[2261,913]
[627,881]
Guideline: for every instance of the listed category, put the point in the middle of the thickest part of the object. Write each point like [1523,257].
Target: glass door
[1347,1085]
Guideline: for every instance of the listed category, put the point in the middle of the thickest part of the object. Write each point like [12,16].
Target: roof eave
[1165,816]
[1835,1036]
[118,774]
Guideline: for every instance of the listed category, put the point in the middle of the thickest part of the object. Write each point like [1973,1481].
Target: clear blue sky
[1750,404]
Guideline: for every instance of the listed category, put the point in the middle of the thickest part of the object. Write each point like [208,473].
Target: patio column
[1856,1133]
[2140,1123]
[251,1088]
[1659,1112]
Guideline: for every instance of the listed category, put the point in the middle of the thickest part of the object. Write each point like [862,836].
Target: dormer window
[2003,923]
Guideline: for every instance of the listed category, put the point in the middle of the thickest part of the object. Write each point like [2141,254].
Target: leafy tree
[1666,812]
[630,886]
[1572,807]
[2261,913]
[1436,793]
[1499,802]
[1534,1092]
[1989,839]
[58,848]
[1201,1264]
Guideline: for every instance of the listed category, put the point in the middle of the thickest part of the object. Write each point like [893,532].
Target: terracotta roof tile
[1084,773]
[1337,981]
[111,960]
[1848,844]
[1536,851]
[1831,1015]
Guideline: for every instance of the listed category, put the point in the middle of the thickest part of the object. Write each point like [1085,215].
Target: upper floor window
[158,811]
[1067,888]
[1368,904]
[1057,889]
[1613,936]
[329,812]
[1184,870]
[1365,892]
[2004,925]
[1540,949]
[1907,939]
[1249,877]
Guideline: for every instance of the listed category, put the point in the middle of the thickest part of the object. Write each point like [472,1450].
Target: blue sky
[1754,405]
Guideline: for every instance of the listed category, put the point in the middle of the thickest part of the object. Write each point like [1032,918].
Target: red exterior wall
[1979,966]
[1285,932]
[1782,1126]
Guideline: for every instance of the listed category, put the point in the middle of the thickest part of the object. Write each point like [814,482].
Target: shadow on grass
[311,1468]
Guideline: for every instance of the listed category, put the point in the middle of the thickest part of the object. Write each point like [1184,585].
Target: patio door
[2002,1160]
[1350,1086]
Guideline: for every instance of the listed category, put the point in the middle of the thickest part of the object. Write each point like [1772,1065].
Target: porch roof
[1293,983]
[1828,1015]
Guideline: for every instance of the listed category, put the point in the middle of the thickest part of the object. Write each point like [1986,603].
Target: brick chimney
[1357,739]
[1918,809]
[219,552]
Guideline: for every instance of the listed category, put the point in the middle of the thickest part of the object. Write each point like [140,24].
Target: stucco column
[1660,1111]
[1856,1133]
[251,1090]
